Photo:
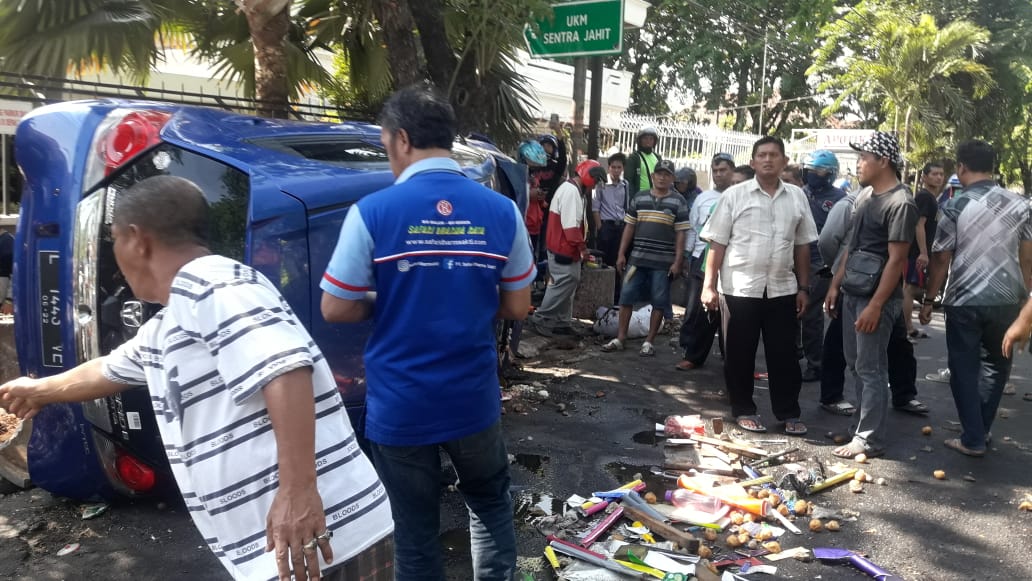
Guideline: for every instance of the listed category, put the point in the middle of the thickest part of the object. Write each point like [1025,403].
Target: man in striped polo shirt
[657,222]
[254,429]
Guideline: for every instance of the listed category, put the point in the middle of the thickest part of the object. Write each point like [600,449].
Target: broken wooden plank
[737,448]
[668,532]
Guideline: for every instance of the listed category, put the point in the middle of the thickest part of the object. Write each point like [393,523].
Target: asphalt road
[916,527]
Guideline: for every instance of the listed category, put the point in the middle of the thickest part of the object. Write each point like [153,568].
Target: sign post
[582,28]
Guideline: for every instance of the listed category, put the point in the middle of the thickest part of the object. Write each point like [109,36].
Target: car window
[226,189]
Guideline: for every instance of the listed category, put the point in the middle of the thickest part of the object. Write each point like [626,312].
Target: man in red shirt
[566,250]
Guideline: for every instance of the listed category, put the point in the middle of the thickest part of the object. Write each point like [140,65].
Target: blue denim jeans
[868,359]
[412,477]
[978,369]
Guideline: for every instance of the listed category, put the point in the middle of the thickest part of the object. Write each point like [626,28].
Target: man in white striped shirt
[253,426]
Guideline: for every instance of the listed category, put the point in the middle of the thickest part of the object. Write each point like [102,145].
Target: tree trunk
[269,23]
[743,94]
[440,59]
[906,140]
[399,28]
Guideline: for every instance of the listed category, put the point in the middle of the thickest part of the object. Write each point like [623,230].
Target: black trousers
[744,319]
[902,364]
[609,244]
[700,325]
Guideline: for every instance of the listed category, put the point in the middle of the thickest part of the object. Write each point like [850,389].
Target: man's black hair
[795,169]
[766,140]
[928,167]
[172,209]
[745,170]
[977,156]
[425,115]
[617,157]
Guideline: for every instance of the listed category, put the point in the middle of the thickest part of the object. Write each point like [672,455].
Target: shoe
[941,376]
[955,444]
[839,408]
[647,350]
[913,407]
[811,375]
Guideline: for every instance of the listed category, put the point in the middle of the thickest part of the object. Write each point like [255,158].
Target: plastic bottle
[729,494]
[687,499]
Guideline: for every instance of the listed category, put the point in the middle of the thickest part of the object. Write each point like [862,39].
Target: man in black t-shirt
[885,220]
[932,178]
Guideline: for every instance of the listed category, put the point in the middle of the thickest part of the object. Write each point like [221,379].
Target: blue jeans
[646,285]
[412,477]
[978,369]
[868,359]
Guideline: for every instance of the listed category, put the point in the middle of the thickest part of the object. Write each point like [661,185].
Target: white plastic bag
[607,322]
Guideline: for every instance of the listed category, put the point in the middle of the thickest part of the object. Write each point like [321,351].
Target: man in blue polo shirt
[445,256]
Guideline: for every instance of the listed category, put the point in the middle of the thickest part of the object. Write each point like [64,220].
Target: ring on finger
[327,535]
[311,545]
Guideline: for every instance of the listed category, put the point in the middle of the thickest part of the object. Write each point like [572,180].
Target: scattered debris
[1025,506]
[91,511]
[939,474]
[816,526]
[856,487]
[927,430]
[860,458]
[833,526]
[68,549]
[1010,389]
[927,449]
[969,478]
[600,394]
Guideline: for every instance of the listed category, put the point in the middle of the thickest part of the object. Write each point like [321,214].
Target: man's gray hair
[172,209]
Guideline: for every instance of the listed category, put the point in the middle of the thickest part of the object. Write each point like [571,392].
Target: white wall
[552,84]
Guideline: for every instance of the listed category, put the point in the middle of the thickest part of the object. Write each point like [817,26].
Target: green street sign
[583,28]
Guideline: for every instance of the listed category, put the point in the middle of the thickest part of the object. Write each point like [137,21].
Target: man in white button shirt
[758,273]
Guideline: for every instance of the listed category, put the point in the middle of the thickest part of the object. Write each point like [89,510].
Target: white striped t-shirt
[226,333]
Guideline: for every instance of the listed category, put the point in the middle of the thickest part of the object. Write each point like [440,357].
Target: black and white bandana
[883,145]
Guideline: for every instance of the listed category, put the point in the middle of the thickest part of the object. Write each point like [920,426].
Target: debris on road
[733,502]
[91,511]
[939,475]
[68,549]
[927,430]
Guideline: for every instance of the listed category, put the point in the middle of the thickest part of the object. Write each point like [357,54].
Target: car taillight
[124,134]
[135,474]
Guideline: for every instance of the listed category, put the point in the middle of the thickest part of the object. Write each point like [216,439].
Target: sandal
[914,407]
[614,345]
[647,350]
[917,334]
[941,376]
[760,375]
[839,408]
[685,366]
[855,447]
[750,424]
[794,427]
[955,444]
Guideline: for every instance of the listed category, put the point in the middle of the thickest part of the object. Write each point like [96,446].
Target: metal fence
[686,144]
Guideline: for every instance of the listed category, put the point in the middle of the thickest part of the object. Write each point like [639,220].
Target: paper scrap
[793,552]
[665,563]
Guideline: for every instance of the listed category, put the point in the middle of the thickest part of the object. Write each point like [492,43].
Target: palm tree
[918,72]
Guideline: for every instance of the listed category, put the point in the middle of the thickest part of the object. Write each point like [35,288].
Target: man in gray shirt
[984,242]
[884,229]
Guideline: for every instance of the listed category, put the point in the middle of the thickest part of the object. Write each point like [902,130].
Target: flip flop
[839,408]
[760,375]
[685,365]
[914,407]
[614,345]
[853,448]
[647,350]
[941,376]
[955,444]
[794,427]
[754,426]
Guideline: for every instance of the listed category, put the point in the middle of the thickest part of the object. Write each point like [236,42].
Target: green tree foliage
[712,53]
[925,78]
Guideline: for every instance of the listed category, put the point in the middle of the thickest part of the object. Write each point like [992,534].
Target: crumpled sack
[607,322]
